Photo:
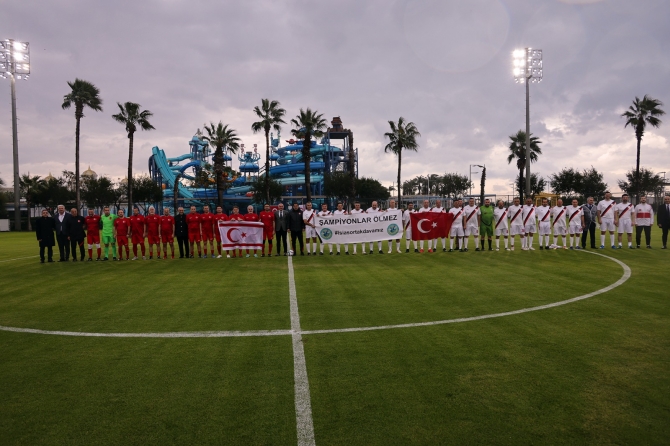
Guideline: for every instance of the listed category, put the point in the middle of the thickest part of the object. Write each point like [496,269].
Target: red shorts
[194,237]
[207,236]
[138,239]
[154,239]
[167,238]
[122,240]
[93,239]
[268,233]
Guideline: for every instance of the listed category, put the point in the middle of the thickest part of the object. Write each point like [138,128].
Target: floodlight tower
[15,64]
[527,69]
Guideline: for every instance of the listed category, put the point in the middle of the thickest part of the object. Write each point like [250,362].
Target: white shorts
[530,228]
[501,231]
[607,225]
[310,232]
[456,231]
[471,230]
[625,226]
[545,228]
[559,230]
[575,229]
[408,233]
[516,230]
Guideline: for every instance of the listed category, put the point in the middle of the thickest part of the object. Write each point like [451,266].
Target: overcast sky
[443,64]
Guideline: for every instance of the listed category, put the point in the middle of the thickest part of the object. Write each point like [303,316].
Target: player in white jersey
[357,211]
[644,218]
[340,211]
[543,213]
[407,224]
[425,208]
[515,215]
[500,222]
[374,209]
[473,219]
[559,224]
[392,207]
[438,208]
[456,226]
[529,225]
[606,219]
[624,219]
[575,215]
[310,228]
[324,212]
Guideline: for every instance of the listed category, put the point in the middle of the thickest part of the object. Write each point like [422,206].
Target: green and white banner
[357,228]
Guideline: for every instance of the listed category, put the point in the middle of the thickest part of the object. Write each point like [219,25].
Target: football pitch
[336,350]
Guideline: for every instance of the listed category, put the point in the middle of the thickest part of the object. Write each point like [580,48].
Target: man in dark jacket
[590,217]
[44,231]
[664,220]
[61,219]
[280,227]
[76,228]
[181,232]
[295,225]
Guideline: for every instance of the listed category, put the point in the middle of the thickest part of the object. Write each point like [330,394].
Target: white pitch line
[303,402]
[18,258]
[174,334]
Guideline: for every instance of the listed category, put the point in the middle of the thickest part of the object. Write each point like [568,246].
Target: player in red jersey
[194,230]
[153,223]
[207,225]
[251,216]
[121,229]
[219,216]
[267,217]
[93,234]
[236,216]
[138,231]
[167,233]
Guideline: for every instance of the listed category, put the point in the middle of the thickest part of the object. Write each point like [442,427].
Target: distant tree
[455,185]
[175,192]
[132,117]
[403,136]
[220,137]
[517,149]
[537,184]
[69,180]
[370,190]
[271,115]
[592,184]
[29,187]
[83,94]
[3,200]
[337,185]
[308,124]
[54,192]
[638,115]
[263,186]
[482,184]
[646,183]
[570,182]
[98,192]
[147,191]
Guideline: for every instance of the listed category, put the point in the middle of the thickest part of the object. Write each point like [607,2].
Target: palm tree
[131,116]
[270,114]
[308,124]
[29,187]
[83,94]
[638,115]
[221,136]
[402,136]
[517,148]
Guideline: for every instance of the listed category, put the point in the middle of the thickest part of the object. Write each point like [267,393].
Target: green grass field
[596,371]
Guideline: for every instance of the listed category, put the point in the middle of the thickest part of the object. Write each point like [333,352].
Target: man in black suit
[280,227]
[296,224]
[44,231]
[181,232]
[76,228]
[590,217]
[62,219]
[664,220]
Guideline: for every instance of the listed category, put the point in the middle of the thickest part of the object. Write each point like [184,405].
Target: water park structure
[333,153]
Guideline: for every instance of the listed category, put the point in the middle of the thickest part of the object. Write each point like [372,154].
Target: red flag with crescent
[430,225]
[241,234]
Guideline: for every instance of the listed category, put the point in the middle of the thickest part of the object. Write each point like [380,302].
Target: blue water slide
[168,174]
[181,158]
[297,167]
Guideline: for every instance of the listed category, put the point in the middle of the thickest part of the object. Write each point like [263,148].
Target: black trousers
[73,248]
[664,237]
[182,241]
[281,239]
[63,246]
[590,230]
[647,234]
[50,252]
[297,237]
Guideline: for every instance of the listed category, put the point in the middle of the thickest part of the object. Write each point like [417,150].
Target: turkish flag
[430,225]
[241,234]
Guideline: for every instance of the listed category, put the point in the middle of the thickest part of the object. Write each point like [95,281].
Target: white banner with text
[357,228]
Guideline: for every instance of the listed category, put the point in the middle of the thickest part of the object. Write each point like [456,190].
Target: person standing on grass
[456,231]
[374,209]
[167,233]
[153,223]
[590,217]
[358,211]
[515,215]
[308,217]
[77,234]
[340,211]
[575,216]
[93,234]
[107,226]
[529,224]
[407,225]
[606,219]
[559,223]
[324,212]
[439,209]
[486,225]
[44,231]
[624,220]
[295,226]
[280,227]
[194,231]
[392,207]
[644,218]
[207,221]
[501,224]
[219,216]
[267,217]
[61,219]
[236,216]
[181,232]
[121,231]
[664,220]
[251,216]
[543,213]
[426,208]
[473,216]
[138,231]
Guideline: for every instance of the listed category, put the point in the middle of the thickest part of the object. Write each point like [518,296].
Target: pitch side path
[462,348]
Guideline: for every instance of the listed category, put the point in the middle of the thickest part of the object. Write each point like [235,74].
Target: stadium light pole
[471,172]
[527,69]
[15,64]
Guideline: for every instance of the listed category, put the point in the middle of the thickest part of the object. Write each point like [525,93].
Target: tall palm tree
[308,124]
[83,94]
[131,115]
[220,136]
[270,114]
[517,148]
[638,115]
[29,187]
[403,136]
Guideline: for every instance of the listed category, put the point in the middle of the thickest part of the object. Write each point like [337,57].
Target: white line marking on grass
[174,334]
[18,258]
[303,403]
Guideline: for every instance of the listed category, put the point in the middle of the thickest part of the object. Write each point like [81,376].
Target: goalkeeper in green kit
[486,227]
[107,226]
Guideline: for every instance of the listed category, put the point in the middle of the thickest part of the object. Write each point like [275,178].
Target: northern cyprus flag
[241,234]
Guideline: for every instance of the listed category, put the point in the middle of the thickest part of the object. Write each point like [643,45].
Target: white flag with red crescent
[241,235]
